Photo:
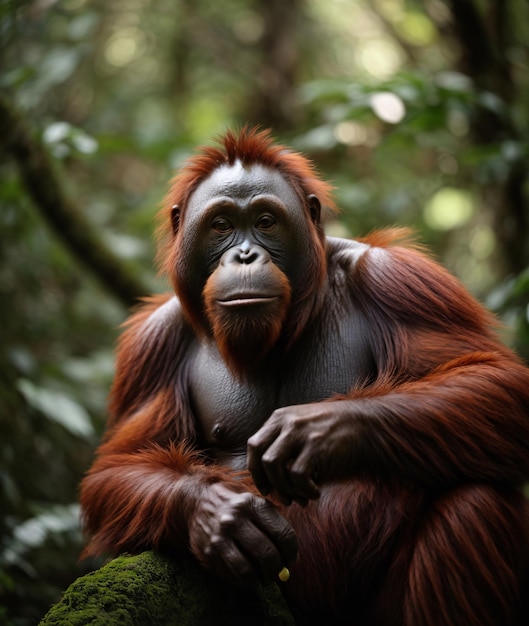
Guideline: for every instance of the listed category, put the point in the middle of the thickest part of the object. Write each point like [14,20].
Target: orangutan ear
[315,208]
[175,218]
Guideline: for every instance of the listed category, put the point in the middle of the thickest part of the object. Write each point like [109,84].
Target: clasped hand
[300,447]
[243,537]
[240,536]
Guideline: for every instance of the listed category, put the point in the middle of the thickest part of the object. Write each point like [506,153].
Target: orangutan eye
[266,222]
[222,225]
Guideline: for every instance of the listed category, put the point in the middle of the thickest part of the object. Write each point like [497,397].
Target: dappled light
[448,208]
[356,134]
[124,47]
[388,107]
[417,114]
[378,58]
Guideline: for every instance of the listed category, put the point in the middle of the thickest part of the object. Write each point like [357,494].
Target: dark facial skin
[245,206]
[243,236]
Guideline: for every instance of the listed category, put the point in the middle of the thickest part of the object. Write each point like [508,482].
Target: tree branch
[47,188]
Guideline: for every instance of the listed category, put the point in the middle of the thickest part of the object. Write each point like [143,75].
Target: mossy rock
[154,590]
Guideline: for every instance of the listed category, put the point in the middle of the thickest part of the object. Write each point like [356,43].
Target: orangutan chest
[229,410]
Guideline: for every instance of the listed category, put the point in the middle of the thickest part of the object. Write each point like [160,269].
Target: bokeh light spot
[350,133]
[417,29]
[448,208]
[482,242]
[124,47]
[379,57]
[388,107]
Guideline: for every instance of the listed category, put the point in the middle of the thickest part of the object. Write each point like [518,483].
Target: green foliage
[380,94]
[511,300]
[380,136]
[56,332]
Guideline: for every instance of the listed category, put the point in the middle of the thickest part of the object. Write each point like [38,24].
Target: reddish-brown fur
[253,335]
[451,410]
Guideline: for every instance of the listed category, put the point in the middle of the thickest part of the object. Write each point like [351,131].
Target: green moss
[155,590]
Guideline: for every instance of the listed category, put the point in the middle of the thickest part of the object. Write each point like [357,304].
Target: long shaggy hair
[245,336]
[249,146]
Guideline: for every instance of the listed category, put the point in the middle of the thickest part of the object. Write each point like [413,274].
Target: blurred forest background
[416,110]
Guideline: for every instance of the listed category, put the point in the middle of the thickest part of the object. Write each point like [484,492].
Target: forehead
[241,183]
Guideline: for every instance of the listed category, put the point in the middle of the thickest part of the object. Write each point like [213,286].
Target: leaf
[511,291]
[58,65]
[454,81]
[33,533]
[58,407]
[320,138]
[62,135]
